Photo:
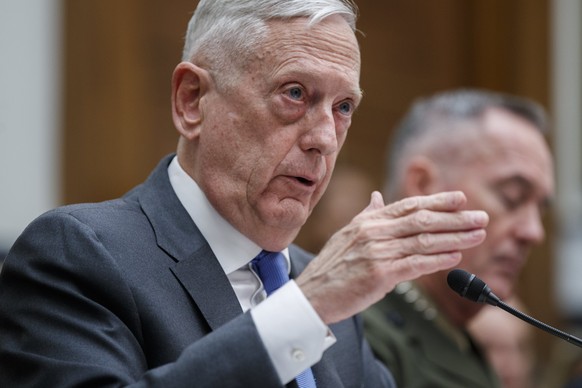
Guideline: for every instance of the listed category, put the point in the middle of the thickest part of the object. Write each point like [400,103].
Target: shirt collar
[232,249]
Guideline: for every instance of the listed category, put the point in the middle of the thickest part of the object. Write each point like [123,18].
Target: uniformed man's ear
[189,84]
[421,177]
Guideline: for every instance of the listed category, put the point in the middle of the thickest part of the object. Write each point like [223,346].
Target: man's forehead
[331,39]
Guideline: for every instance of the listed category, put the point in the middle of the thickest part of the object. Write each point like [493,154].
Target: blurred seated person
[492,147]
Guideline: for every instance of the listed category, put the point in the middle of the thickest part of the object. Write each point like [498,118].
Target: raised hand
[385,245]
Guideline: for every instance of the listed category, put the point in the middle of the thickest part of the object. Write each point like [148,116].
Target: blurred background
[85,105]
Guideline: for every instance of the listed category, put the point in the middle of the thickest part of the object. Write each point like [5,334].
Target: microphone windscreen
[477,290]
[467,285]
[458,281]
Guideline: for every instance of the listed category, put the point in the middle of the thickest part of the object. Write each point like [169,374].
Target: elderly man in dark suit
[183,281]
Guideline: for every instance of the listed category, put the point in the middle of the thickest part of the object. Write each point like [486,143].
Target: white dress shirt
[293,334]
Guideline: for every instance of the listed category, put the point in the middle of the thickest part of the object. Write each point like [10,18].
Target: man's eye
[512,201]
[346,108]
[296,93]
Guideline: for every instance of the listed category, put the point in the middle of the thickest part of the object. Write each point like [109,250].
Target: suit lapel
[205,281]
[196,268]
[175,231]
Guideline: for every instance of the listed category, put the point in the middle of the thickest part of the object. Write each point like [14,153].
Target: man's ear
[421,177]
[189,84]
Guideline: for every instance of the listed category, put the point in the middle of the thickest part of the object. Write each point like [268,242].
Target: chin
[284,225]
[288,213]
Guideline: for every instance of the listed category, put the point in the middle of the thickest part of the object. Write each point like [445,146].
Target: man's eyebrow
[359,94]
[513,179]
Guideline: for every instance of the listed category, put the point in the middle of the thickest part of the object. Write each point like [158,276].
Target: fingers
[414,266]
[422,221]
[422,244]
[442,202]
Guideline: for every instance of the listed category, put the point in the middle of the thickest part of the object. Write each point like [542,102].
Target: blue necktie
[272,269]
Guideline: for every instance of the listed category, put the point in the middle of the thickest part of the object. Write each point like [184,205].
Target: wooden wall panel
[120,56]
[119,61]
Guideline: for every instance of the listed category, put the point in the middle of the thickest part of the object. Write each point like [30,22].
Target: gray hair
[449,111]
[223,32]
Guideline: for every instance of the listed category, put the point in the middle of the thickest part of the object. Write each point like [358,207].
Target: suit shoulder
[92,213]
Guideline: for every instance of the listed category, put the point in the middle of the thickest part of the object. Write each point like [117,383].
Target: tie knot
[271,267]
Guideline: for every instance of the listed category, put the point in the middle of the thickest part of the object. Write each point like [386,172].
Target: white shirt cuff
[293,333]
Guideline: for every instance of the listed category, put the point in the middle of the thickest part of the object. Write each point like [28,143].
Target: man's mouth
[305,181]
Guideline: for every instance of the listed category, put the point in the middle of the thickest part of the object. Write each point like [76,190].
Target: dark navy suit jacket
[128,292]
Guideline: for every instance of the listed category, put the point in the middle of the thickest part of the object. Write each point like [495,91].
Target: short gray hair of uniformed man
[432,121]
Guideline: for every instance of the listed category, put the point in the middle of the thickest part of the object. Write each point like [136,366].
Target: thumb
[376,202]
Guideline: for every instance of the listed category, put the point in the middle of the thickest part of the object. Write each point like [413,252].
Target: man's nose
[321,134]
[530,227]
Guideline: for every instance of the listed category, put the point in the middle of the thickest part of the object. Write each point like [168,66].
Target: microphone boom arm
[540,325]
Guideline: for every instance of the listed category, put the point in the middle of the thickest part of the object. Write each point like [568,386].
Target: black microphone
[471,287]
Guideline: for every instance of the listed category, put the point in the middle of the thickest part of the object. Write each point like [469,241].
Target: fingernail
[480,217]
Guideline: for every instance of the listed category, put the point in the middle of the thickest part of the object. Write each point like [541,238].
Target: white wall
[30,40]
